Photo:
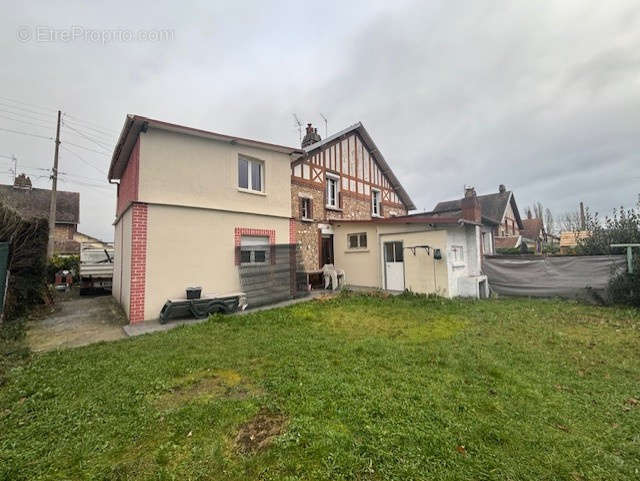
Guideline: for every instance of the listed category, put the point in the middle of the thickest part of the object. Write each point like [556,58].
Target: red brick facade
[128,186]
[138,261]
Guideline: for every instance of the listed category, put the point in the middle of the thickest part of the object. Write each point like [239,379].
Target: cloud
[541,96]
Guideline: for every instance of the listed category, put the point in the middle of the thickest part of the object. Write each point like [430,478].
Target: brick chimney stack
[311,137]
[470,206]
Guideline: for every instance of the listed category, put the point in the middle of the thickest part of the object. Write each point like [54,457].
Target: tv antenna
[299,124]
[326,130]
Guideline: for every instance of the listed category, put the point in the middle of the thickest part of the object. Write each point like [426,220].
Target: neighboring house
[91,241]
[30,201]
[186,199]
[424,253]
[499,210]
[343,177]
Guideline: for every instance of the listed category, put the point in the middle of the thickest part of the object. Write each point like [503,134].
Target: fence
[542,276]
[271,273]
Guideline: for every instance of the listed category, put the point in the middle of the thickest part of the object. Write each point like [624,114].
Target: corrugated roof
[377,155]
[492,206]
[35,202]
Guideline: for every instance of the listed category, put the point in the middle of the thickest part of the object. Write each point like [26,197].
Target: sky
[543,97]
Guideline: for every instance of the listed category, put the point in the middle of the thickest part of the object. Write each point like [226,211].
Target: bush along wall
[623,227]
[28,238]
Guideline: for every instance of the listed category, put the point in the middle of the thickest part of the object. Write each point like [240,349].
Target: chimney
[470,206]
[311,137]
[22,182]
[502,189]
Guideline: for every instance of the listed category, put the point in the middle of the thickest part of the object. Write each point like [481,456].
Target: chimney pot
[311,137]
[502,189]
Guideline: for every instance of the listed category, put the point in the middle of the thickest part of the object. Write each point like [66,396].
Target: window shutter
[380,213]
[310,208]
[301,200]
[339,192]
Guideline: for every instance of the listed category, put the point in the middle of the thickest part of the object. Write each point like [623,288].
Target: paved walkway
[77,321]
[148,327]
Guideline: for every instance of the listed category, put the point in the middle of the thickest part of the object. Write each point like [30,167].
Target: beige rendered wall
[193,171]
[361,266]
[122,261]
[419,268]
[195,247]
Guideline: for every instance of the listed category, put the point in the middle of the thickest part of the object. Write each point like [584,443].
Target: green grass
[370,387]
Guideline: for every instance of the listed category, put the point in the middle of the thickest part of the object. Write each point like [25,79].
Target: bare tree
[538,210]
[549,222]
[529,213]
[570,221]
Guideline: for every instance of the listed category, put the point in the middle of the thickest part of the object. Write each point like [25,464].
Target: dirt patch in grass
[258,433]
[204,385]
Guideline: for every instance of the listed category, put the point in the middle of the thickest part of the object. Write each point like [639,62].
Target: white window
[457,254]
[376,204]
[250,174]
[254,249]
[333,192]
[487,244]
[357,241]
[305,209]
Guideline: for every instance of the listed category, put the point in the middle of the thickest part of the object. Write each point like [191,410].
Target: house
[30,201]
[199,208]
[536,236]
[343,177]
[424,253]
[187,201]
[499,210]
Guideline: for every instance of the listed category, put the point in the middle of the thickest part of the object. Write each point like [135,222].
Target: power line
[22,109]
[89,138]
[25,122]
[83,159]
[41,107]
[87,148]
[99,132]
[27,133]
[102,127]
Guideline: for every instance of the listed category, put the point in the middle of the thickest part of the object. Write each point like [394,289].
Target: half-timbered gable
[343,176]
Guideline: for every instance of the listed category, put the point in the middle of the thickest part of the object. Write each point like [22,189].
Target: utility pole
[15,167]
[582,220]
[54,187]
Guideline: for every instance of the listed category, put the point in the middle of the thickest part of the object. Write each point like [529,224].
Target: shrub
[28,263]
[63,263]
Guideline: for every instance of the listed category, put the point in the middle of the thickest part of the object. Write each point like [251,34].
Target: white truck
[96,268]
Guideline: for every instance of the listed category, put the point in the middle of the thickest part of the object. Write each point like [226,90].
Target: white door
[394,266]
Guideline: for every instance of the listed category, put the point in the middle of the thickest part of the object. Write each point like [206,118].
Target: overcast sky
[541,96]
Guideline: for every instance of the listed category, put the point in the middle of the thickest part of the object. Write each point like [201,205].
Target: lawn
[357,387]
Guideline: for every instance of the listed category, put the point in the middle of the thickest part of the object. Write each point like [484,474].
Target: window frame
[252,249]
[376,206]
[250,163]
[306,213]
[457,253]
[335,180]
[359,236]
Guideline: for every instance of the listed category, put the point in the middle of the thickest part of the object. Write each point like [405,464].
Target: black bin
[194,292]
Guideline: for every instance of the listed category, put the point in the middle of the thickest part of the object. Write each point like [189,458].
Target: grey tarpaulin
[541,276]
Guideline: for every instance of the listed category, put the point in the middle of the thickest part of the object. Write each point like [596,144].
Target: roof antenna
[326,130]
[299,124]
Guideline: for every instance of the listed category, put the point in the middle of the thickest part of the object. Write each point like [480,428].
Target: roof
[507,242]
[134,124]
[532,228]
[36,202]
[377,155]
[493,206]
[405,219]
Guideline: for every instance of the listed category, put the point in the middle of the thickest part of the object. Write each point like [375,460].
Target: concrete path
[77,321]
[148,327]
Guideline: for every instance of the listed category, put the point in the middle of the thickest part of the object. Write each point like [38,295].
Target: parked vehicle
[96,268]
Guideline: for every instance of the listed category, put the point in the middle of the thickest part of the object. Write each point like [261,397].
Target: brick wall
[128,186]
[353,207]
[63,232]
[138,262]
